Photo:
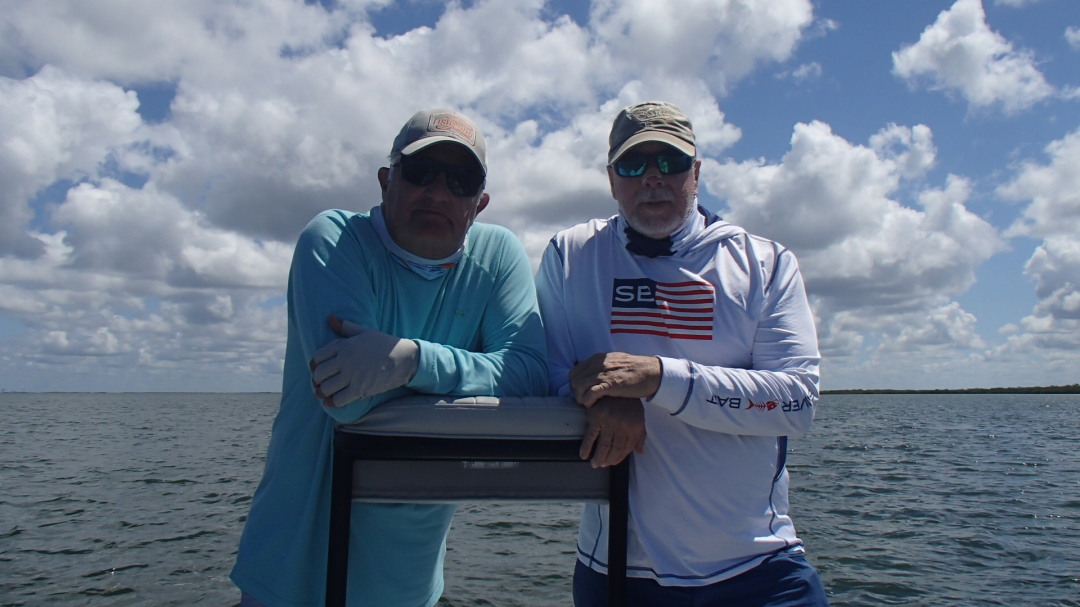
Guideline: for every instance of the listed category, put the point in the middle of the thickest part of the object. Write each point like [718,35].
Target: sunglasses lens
[669,163]
[461,181]
[416,172]
[464,182]
[631,165]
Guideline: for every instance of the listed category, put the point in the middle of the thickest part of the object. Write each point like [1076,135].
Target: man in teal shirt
[413,297]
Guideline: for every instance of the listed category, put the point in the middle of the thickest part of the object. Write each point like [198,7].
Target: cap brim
[420,144]
[679,144]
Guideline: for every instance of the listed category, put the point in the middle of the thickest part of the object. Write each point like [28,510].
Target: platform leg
[337,556]
[618,519]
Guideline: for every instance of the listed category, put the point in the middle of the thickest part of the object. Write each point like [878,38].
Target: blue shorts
[783,580]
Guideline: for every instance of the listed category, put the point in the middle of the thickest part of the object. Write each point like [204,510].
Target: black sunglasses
[461,181]
[634,164]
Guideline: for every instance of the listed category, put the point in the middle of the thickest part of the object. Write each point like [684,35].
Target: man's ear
[611,179]
[384,178]
[485,198]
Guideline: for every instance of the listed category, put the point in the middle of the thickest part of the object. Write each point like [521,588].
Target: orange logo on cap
[453,125]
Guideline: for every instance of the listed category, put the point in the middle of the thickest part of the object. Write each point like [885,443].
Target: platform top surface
[539,417]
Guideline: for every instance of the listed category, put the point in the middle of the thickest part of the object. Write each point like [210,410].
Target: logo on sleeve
[679,310]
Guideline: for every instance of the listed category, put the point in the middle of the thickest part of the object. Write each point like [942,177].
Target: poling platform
[434,449]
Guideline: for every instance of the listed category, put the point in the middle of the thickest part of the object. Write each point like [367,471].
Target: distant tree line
[1072,389]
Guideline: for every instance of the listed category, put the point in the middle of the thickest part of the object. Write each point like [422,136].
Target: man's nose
[439,188]
[652,175]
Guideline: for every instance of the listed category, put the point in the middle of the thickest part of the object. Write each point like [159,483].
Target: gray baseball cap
[651,121]
[429,127]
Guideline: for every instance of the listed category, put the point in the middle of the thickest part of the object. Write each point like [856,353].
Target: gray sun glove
[364,363]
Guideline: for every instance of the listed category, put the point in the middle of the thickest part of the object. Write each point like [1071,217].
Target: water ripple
[942,501]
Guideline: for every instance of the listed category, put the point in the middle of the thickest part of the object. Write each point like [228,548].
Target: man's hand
[615,374]
[613,428]
[364,363]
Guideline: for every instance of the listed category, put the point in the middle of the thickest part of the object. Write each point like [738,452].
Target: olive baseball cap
[651,121]
[429,127]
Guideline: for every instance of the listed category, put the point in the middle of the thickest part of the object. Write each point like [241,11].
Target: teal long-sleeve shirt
[479,333]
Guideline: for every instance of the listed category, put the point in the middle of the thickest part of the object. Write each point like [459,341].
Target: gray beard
[653,230]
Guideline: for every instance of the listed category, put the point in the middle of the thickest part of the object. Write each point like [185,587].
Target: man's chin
[431,225]
[655,227]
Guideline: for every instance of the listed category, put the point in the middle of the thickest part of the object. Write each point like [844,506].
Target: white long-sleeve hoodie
[728,316]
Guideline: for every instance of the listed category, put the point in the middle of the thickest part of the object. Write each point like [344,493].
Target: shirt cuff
[675,384]
[426,376]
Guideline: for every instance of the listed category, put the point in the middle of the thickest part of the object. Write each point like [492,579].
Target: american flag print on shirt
[679,310]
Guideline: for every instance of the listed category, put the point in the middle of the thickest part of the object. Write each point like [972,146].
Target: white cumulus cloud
[960,54]
[872,262]
[1052,213]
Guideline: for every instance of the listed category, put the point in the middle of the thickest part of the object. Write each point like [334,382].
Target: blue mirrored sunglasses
[460,180]
[634,164]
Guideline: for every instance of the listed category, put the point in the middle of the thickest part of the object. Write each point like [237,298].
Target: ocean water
[139,499]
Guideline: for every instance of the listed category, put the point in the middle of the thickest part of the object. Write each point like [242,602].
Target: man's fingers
[588,441]
[350,329]
[583,377]
[618,451]
[615,374]
[325,369]
[324,353]
[326,401]
[594,394]
[580,393]
[582,368]
[342,327]
[603,453]
[335,323]
[331,385]
[330,402]
[615,428]
[341,395]
[586,394]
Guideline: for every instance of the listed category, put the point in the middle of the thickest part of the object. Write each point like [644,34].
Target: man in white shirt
[693,346]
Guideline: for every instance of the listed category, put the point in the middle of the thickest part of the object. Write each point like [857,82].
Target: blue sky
[922,158]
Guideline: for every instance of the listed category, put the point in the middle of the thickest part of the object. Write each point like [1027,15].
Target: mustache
[655,194]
